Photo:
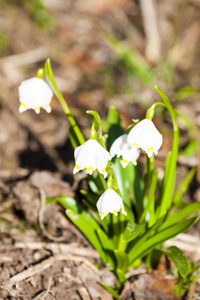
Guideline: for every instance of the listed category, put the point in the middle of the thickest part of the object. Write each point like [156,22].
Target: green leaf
[91,197]
[141,249]
[178,258]
[180,215]
[123,184]
[108,246]
[106,241]
[183,186]
[134,246]
[88,230]
[132,230]
[97,184]
[71,203]
[132,59]
[150,199]
[190,149]
[115,126]
[185,92]
[73,137]
[66,202]
[111,291]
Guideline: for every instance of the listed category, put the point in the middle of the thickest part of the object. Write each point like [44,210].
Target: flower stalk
[51,80]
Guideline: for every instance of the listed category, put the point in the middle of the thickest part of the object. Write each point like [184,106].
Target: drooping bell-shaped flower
[129,154]
[110,202]
[34,93]
[145,135]
[91,156]
[121,148]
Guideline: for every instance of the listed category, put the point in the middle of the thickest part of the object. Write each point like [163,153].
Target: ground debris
[67,274]
[154,286]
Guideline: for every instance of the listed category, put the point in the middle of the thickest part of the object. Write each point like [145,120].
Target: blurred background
[103,53]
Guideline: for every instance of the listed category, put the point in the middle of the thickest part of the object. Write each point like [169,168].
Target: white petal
[37,110]
[116,148]
[48,109]
[124,163]
[22,108]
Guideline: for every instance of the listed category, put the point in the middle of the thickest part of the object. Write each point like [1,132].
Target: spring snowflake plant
[127,217]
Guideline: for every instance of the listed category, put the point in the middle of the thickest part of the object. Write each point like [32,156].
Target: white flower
[91,156]
[35,93]
[144,135]
[129,154]
[121,148]
[110,202]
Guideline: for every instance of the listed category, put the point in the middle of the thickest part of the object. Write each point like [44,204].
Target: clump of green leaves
[124,241]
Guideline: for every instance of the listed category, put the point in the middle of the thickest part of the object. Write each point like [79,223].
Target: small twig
[56,248]
[25,58]
[48,289]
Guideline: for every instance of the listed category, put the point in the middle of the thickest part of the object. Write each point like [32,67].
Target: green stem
[148,179]
[169,186]
[146,184]
[121,243]
[51,81]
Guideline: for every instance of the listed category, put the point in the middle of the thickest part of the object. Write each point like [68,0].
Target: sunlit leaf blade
[190,149]
[180,215]
[115,127]
[132,60]
[178,258]
[167,195]
[185,92]
[183,186]
[88,230]
[91,197]
[122,182]
[133,246]
[150,199]
[73,137]
[111,291]
[106,241]
[66,202]
[159,238]
[107,245]
[132,230]
[71,203]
